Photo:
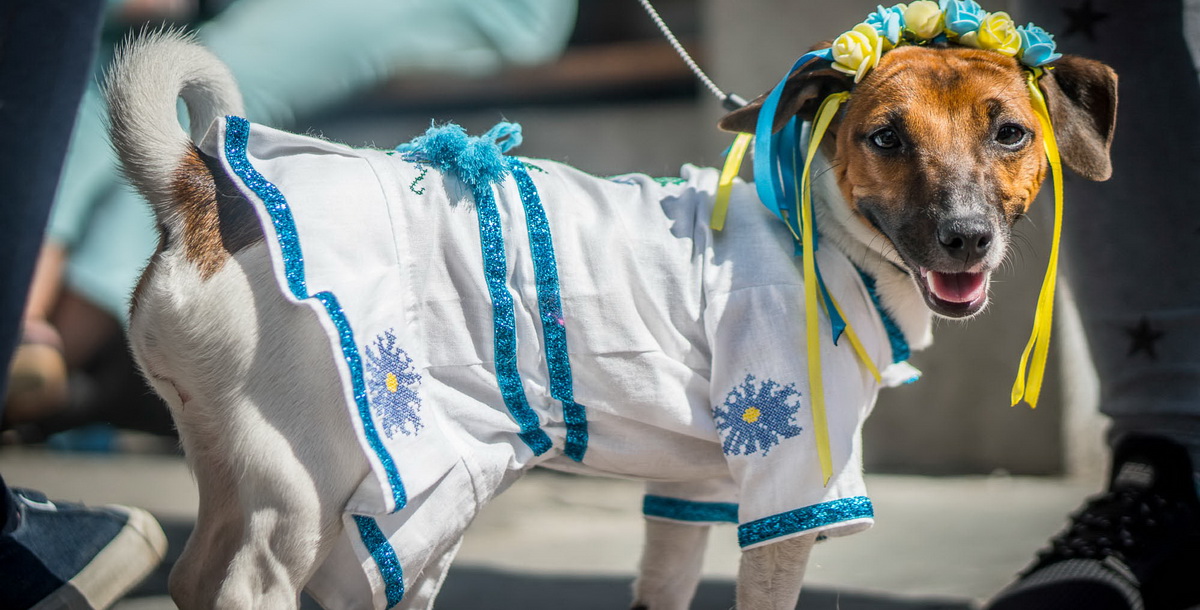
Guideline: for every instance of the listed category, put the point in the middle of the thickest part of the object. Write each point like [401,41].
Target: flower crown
[962,22]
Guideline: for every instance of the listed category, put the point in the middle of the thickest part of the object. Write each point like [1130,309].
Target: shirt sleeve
[760,395]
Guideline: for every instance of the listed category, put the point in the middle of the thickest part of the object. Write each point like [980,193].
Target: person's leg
[42,79]
[1131,246]
[56,554]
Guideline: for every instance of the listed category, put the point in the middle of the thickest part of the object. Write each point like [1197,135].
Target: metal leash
[731,101]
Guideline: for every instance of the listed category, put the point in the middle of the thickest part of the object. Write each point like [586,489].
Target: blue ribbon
[775,173]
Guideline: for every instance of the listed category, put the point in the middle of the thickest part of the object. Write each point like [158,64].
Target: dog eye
[885,139]
[1011,135]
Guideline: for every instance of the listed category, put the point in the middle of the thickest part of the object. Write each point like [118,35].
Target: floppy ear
[1082,97]
[802,95]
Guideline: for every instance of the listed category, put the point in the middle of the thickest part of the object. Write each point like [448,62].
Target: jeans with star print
[1132,244]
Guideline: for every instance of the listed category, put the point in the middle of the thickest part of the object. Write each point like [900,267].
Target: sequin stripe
[495,269]
[554,329]
[678,509]
[385,558]
[803,519]
[354,363]
[237,136]
[900,349]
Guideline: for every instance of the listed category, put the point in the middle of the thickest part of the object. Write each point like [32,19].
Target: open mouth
[954,294]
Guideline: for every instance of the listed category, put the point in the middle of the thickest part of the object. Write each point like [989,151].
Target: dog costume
[492,313]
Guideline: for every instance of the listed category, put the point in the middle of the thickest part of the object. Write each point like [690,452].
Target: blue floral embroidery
[392,386]
[755,417]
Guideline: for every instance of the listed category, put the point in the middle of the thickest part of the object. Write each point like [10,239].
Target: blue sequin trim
[554,329]
[495,269]
[803,519]
[385,557]
[689,510]
[900,349]
[237,136]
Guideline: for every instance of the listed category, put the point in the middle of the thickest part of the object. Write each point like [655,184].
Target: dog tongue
[956,287]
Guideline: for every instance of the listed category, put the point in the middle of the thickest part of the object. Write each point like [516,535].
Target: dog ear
[1082,97]
[802,95]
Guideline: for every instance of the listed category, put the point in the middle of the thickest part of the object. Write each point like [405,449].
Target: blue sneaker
[61,555]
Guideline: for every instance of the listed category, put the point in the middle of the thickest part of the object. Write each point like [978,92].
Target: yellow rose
[924,19]
[997,32]
[857,51]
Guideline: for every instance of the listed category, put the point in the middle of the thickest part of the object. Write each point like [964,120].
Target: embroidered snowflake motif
[392,385]
[756,416]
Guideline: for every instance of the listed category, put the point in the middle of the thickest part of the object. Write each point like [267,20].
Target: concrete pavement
[557,541]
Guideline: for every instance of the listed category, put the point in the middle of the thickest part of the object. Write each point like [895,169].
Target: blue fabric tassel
[477,161]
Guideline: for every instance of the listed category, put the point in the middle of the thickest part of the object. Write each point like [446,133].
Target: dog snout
[968,240]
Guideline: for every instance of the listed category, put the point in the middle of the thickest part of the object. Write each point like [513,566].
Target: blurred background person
[291,58]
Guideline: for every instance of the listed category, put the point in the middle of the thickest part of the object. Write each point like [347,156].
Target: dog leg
[262,528]
[769,577]
[258,405]
[670,567]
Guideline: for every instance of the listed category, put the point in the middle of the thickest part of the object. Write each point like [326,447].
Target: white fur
[265,449]
[270,507]
[670,568]
[769,576]
[874,253]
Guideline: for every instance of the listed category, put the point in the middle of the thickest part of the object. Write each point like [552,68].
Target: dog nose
[966,241]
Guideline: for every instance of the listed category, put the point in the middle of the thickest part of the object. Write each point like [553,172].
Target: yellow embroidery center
[392,383]
[751,415]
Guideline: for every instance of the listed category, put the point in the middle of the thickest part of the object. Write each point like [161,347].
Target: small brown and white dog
[934,158]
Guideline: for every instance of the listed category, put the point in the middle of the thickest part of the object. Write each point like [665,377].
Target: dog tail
[149,75]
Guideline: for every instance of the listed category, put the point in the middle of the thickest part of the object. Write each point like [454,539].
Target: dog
[360,348]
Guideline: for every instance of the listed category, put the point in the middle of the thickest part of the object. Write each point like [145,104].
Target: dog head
[939,152]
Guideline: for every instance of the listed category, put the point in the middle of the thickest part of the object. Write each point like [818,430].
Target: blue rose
[962,16]
[889,22]
[1037,46]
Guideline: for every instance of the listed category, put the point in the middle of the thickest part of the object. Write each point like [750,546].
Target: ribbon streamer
[1029,387]
[733,164]
[816,387]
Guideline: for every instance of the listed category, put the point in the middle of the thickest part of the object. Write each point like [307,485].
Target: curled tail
[149,74]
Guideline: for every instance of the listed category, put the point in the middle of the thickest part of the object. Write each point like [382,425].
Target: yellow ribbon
[814,145]
[856,343]
[1029,388]
[816,387]
[733,164]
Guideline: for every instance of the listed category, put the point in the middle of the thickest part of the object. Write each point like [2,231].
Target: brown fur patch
[217,221]
[946,104]
[196,195]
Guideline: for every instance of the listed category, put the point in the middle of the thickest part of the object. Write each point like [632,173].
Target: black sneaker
[1134,547]
[60,555]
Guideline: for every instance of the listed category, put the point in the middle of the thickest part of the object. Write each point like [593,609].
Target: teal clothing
[290,58]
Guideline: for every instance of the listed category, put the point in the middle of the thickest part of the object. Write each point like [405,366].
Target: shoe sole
[135,551]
